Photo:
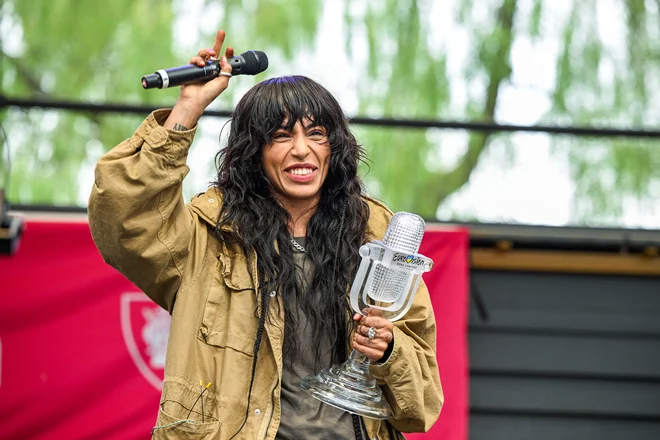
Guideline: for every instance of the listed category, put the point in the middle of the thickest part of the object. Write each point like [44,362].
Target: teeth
[301,171]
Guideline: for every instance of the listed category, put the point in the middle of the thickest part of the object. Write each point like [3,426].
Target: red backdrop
[81,349]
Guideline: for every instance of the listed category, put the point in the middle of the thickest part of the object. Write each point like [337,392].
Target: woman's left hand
[374,348]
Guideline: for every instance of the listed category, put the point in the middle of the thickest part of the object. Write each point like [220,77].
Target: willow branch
[445,183]
[24,74]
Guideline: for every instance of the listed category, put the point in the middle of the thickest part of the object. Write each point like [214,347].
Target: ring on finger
[227,74]
[371,334]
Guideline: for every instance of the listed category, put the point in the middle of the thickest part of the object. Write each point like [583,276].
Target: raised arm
[137,214]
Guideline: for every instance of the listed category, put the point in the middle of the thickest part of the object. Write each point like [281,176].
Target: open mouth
[301,170]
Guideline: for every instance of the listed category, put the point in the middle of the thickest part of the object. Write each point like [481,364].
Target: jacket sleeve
[410,377]
[137,214]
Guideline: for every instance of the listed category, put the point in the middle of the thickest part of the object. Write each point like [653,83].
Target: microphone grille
[404,232]
[255,62]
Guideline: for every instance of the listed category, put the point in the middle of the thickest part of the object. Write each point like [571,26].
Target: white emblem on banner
[155,333]
[143,318]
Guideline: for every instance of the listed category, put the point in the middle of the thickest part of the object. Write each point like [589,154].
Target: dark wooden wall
[559,356]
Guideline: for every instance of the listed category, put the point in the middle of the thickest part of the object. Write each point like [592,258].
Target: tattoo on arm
[180,127]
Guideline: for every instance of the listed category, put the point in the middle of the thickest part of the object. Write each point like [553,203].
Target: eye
[317,134]
[281,136]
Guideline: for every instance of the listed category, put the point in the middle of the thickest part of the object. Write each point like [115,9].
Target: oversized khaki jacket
[143,228]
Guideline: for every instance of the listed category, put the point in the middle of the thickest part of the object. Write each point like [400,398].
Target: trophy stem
[349,387]
[359,360]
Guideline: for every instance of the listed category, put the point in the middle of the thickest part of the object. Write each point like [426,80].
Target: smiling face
[296,163]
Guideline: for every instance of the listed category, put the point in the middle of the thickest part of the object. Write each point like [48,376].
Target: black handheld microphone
[251,62]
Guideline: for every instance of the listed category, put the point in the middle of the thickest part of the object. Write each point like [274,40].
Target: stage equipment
[11,227]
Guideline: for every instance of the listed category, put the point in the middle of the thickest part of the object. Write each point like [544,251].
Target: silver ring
[225,74]
[371,333]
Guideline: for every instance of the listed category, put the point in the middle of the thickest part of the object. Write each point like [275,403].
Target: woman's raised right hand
[194,98]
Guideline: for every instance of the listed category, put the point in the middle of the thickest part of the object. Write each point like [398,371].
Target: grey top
[303,416]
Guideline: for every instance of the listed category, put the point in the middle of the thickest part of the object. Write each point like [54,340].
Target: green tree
[77,51]
[417,86]
[94,51]
[607,76]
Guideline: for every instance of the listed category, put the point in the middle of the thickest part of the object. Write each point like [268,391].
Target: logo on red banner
[145,327]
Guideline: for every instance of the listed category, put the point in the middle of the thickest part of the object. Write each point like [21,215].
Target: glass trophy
[387,279]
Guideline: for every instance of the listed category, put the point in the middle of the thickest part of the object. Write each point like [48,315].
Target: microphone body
[251,62]
[390,270]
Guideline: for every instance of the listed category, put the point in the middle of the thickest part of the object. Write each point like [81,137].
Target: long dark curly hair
[259,223]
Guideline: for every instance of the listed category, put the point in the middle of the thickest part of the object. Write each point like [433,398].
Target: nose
[300,148]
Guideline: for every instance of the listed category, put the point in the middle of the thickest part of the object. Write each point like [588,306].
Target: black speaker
[11,228]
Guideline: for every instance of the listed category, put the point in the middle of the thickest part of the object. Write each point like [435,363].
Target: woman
[256,270]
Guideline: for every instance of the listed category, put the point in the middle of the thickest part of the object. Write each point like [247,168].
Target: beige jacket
[144,229]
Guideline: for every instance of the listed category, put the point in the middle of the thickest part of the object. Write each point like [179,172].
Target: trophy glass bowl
[387,279]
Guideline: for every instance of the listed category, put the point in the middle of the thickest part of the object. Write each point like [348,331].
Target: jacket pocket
[185,413]
[229,319]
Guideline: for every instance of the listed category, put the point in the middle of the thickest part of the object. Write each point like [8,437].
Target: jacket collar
[207,206]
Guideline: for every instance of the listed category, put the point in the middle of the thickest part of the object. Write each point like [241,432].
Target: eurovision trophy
[387,279]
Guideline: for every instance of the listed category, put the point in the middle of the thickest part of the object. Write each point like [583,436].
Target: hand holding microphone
[251,62]
[203,80]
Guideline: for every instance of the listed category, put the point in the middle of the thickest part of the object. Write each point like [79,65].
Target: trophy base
[349,387]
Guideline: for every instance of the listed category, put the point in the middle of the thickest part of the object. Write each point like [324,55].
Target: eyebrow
[306,127]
